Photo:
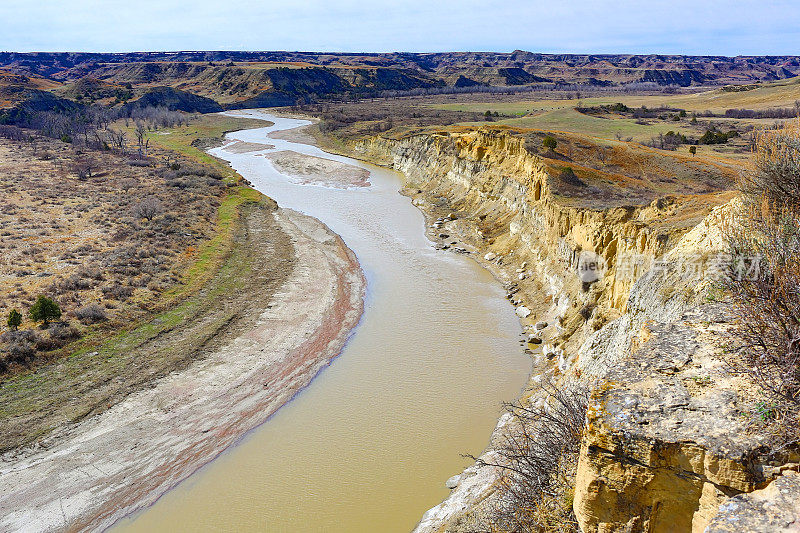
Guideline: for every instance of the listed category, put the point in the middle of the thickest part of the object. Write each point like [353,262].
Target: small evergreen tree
[14,319]
[693,150]
[45,310]
[569,177]
[550,143]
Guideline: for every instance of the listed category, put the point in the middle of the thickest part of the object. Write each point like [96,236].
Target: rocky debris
[773,509]
[452,482]
[523,312]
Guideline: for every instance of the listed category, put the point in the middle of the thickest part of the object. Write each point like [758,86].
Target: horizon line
[370,52]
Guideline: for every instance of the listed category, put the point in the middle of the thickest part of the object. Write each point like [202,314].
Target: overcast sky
[729,27]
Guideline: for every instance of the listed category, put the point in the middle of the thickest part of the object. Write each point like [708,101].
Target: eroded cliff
[616,294]
[504,205]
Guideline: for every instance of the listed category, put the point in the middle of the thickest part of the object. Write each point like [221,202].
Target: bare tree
[141,138]
[764,280]
[117,139]
[602,154]
[99,142]
[537,458]
[83,168]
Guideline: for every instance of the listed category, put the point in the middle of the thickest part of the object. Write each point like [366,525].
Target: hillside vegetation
[137,251]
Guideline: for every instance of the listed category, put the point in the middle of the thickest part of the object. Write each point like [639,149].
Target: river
[368,444]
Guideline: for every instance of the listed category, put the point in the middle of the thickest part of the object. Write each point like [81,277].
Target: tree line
[92,126]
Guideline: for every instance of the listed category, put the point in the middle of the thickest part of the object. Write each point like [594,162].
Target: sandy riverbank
[93,473]
[310,170]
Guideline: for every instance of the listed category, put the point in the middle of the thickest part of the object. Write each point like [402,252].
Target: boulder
[453,482]
[523,312]
[773,509]
[666,440]
[491,256]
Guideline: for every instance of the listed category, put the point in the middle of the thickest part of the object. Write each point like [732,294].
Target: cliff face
[666,442]
[503,197]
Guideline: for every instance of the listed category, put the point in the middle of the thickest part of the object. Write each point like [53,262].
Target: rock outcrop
[668,437]
[774,509]
[666,442]
[505,192]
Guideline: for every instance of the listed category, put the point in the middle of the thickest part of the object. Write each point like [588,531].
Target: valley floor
[94,433]
[288,328]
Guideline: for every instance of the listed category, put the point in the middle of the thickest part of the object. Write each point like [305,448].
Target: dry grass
[625,173]
[616,171]
[81,242]
[214,246]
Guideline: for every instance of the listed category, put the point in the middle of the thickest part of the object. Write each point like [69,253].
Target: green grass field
[569,120]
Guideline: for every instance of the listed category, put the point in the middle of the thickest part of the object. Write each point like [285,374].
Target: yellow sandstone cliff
[666,443]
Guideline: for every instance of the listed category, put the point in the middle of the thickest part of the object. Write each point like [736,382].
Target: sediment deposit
[95,472]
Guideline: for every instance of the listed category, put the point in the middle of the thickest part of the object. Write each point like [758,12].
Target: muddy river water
[368,445]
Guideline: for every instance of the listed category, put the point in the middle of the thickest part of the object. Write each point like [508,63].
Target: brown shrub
[537,457]
[777,174]
[148,208]
[20,347]
[118,292]
[91,313]
[764,281]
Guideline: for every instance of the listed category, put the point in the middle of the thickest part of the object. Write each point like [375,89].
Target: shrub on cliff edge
[764,281]
[537,458]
